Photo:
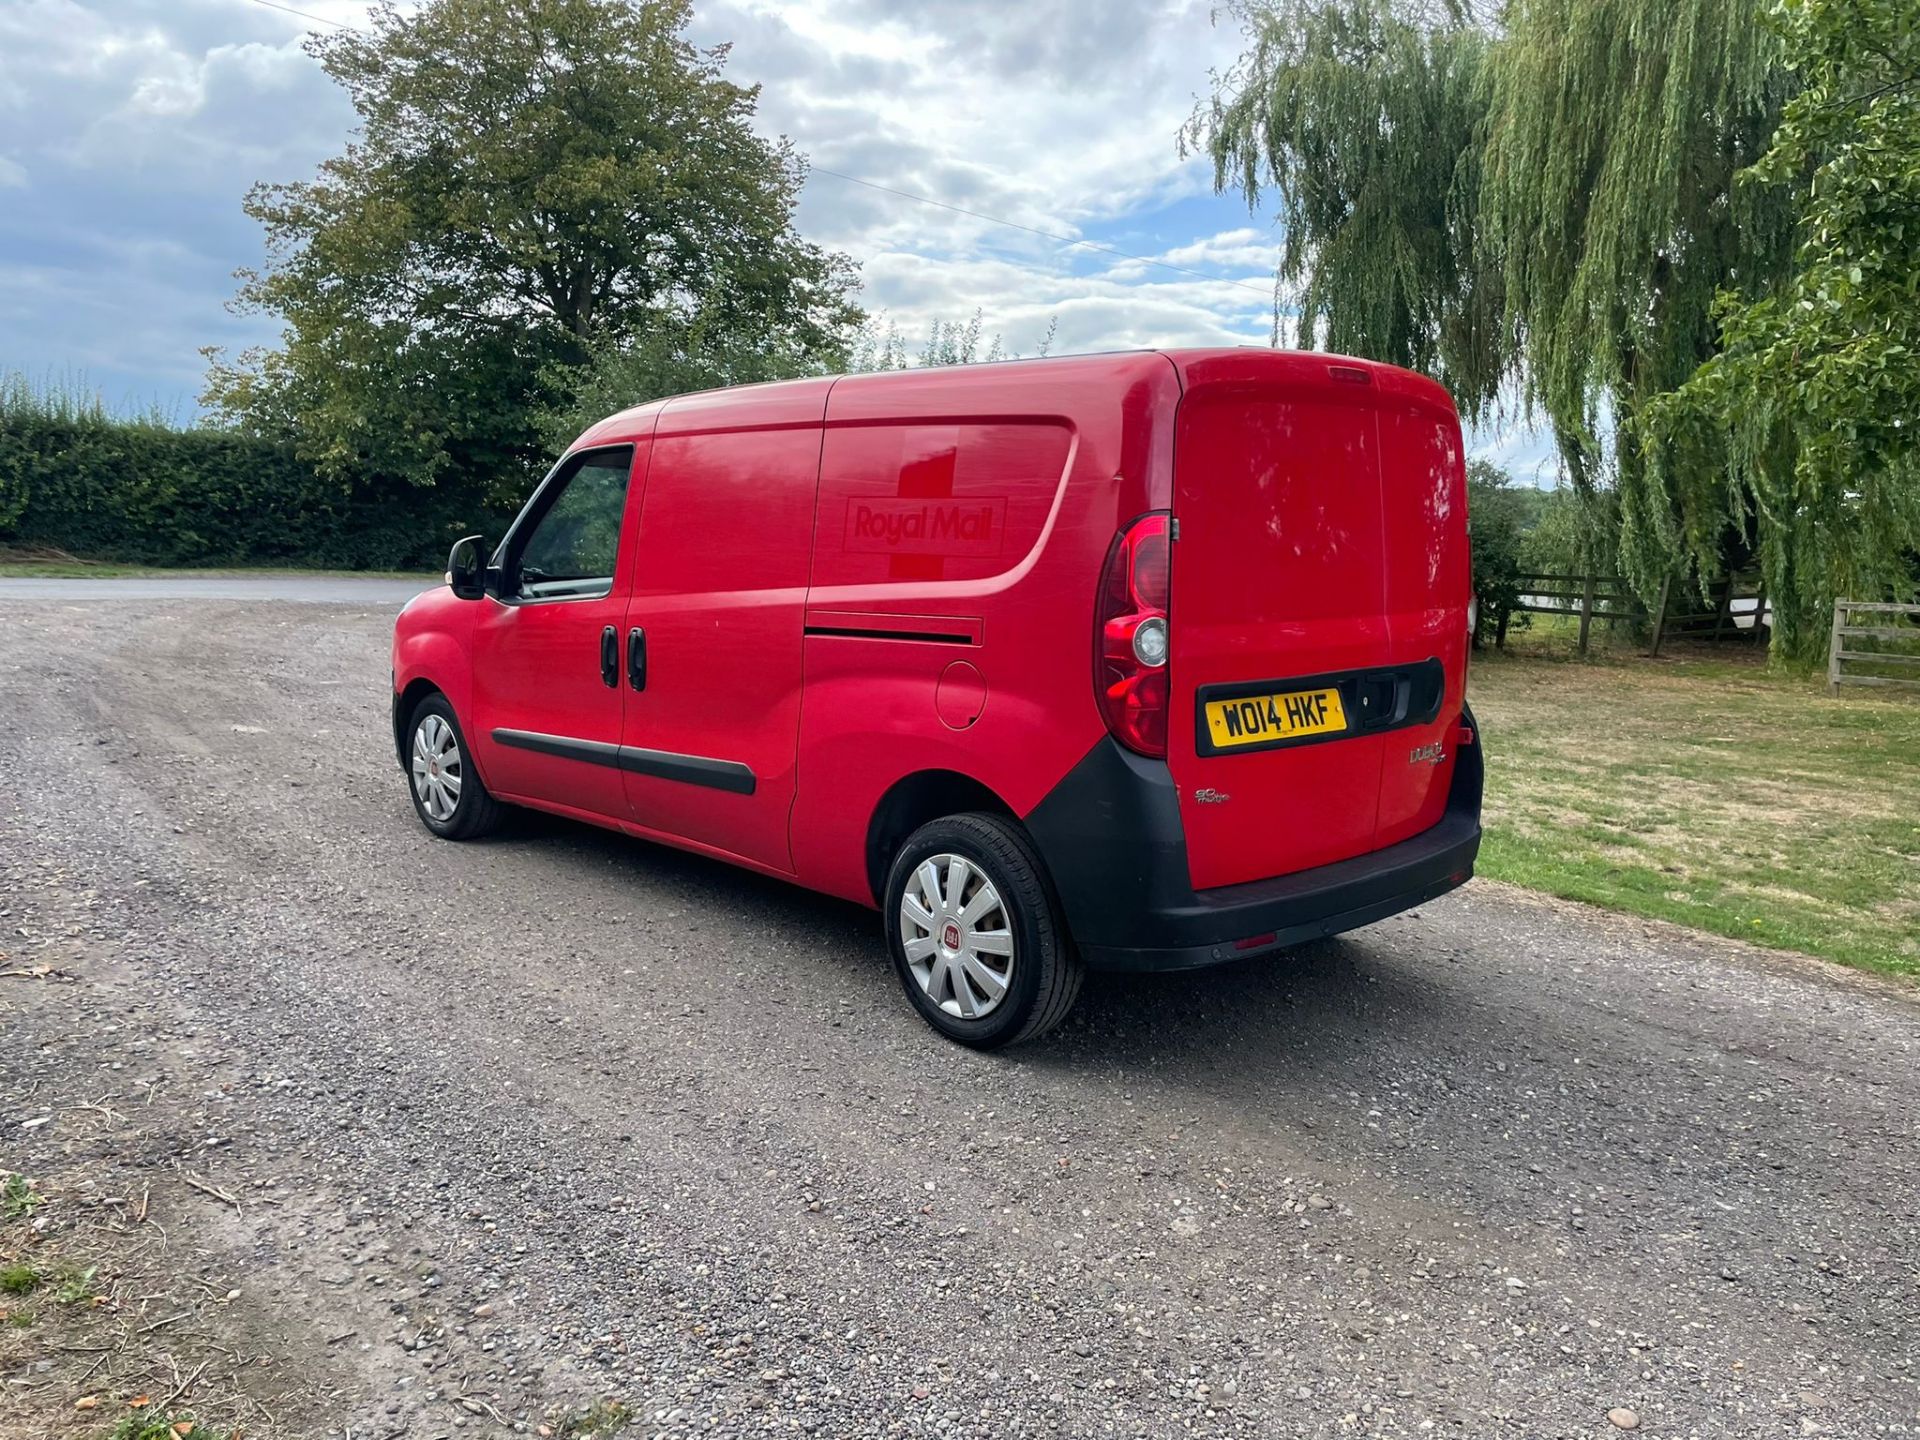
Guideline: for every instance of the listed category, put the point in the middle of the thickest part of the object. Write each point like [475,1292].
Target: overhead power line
[305,14]
[1069,241]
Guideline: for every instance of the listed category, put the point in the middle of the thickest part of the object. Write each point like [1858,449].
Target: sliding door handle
[610,656]
[637,658]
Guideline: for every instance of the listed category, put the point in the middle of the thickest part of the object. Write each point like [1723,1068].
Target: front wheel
[448,795]
[975,934]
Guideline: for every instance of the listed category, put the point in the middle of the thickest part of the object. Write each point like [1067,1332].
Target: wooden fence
[1591,597]
[1610,599]
[1720,619]
[1866,620]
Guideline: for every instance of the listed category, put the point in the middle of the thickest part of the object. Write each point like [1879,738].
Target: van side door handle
[610,657]
[637,658]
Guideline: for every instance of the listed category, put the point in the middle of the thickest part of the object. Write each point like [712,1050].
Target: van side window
[571,549]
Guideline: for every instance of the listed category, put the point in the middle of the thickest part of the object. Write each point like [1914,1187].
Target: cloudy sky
[130,129]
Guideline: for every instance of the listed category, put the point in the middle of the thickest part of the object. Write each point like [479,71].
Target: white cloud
[1060,116]
[1524,450]
[143,122]
[1094,312]
[1239,255]
[1245,248]
[1055,116]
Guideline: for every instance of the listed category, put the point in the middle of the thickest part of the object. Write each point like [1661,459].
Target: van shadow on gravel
[1349,995]
[1460,1070]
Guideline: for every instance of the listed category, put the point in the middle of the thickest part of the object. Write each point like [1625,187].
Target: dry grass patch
[100,1333]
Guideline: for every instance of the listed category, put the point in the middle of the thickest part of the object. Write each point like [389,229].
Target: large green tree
[533,185]
[1538,202]
[1813,407]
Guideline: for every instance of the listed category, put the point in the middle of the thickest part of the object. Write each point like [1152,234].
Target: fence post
[1586,613]
[1660,619]
[1759,607]
[1726,608]
[1833,649]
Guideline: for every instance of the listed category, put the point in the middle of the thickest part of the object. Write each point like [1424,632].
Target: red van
[1136,661]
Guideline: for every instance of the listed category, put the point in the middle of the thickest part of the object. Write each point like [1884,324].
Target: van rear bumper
[1111,836]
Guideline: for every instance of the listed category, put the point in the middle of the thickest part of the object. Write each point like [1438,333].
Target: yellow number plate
[1262,719]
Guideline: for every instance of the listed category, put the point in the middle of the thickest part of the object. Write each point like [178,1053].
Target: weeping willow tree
[1537,201]
[1616,131]
[1362,120]
[1812,408]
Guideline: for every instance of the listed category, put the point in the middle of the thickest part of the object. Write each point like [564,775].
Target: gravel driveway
[658,1129]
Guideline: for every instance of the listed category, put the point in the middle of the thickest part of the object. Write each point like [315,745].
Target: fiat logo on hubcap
[950,936]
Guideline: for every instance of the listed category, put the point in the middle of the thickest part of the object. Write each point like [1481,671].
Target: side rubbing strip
[728,775]
[567,748]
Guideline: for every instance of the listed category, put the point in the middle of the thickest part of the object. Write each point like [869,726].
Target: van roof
[1198,365]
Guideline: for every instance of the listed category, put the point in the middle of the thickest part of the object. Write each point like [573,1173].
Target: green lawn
[1707,791]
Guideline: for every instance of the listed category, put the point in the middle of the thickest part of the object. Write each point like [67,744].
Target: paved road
[1492,1169]
[308,589]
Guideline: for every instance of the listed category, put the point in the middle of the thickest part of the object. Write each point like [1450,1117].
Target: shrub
[77,478]
[1496,512]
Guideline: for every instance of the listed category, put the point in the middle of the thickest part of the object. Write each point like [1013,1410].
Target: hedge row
[148,493]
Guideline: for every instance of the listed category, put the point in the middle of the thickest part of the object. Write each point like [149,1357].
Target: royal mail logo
[887,526]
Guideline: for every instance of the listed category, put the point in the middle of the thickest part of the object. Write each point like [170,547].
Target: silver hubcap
[437,770]
[958,936]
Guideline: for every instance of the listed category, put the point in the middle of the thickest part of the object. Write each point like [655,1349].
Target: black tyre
[448,795]
[975,933]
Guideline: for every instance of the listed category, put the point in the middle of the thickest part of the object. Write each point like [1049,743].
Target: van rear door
[1290,696]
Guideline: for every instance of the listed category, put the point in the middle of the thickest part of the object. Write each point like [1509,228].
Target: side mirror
[467,568]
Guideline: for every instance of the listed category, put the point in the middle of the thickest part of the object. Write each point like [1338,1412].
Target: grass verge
[1711,792]
[44,565]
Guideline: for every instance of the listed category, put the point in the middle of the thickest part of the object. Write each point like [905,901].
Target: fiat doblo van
[1137,661]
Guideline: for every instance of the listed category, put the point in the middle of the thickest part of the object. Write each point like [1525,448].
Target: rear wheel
[447,791]
[975,934]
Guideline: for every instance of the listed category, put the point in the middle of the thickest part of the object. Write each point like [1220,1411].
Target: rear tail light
[1130,651]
